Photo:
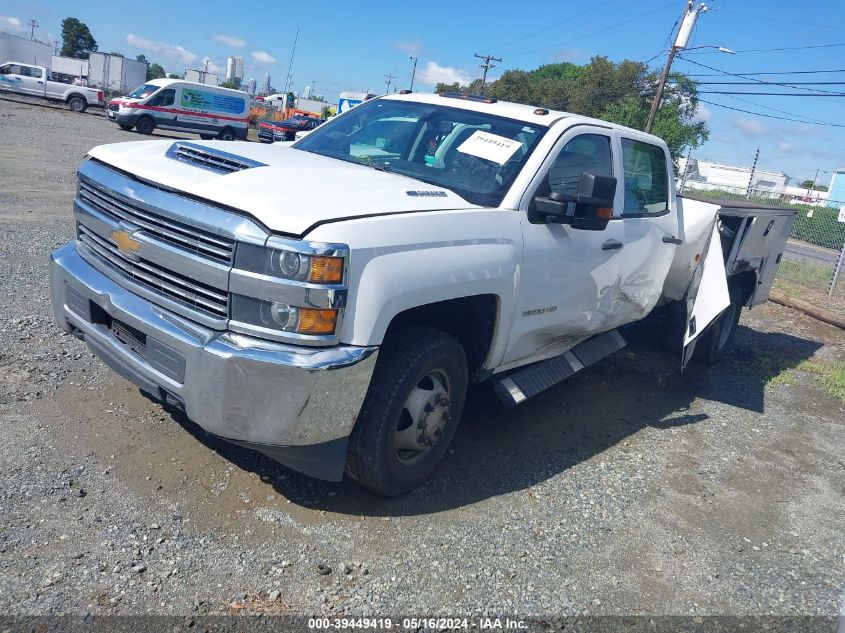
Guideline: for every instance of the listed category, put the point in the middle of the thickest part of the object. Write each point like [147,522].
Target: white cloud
[785,146]
[11,24]
[266,59]
[568,55]
[229,40]
[703,113]
[411,47]
[172,52]
[748,127]
[433,73]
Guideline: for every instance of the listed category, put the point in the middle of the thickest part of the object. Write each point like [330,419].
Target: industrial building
[836,190]
[201,76]
[704,174]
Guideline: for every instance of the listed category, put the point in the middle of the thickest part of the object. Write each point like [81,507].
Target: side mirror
[590,209]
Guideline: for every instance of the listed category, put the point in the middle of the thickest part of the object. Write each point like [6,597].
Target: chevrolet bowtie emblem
[125,242]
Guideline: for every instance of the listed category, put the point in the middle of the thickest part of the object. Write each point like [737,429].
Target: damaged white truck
[327,302]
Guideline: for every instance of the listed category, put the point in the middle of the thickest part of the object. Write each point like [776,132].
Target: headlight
[289,264]
[275,315]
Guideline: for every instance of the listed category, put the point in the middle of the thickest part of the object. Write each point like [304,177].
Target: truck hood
[289,192]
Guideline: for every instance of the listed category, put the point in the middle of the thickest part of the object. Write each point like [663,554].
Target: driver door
[570,279]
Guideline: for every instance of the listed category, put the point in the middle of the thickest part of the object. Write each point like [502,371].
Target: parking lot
[629,489]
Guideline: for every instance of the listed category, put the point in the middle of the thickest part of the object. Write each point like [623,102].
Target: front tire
[206,137]
[717,341]
[145,125]
[124,126]
[226,134]
[77,104]
[411,412]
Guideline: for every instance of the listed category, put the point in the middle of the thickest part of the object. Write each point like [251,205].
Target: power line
[785,72]
[602,30]
[769,116]
[760,81]
[772,50]
[773,94]
[550,27]
[793,114]
[754,83]
[787,20]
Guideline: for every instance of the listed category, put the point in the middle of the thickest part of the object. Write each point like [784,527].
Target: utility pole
[289,78]
[414,71]
[751,177]
[486,66]
[389,80]
[691,14]
[55,47]
[815,178]
[33,25]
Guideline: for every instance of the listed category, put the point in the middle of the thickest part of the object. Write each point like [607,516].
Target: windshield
[476,155]
[142,92]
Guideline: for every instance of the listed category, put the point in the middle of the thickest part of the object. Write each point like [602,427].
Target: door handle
[671,239]
[611,245]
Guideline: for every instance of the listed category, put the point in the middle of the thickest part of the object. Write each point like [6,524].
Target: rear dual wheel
[411,411]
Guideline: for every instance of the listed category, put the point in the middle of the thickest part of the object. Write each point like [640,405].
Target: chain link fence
[812,267]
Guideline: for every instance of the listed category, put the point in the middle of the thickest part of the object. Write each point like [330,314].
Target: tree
[113,54]
[613,91]
[77,40]
[808,184]
[142,58]
[174,76]
[155,71]
[231,84]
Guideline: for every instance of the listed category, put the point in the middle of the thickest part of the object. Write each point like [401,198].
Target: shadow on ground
[497,451]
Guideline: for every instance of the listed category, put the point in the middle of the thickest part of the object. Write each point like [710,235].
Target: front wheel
[145,125]
[124,126]
[227,134]
[206,137]
[77,104]
[412,409]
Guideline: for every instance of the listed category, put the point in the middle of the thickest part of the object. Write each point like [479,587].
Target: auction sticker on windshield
[488,146]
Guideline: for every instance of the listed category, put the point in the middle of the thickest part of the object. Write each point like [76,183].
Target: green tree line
[620,92]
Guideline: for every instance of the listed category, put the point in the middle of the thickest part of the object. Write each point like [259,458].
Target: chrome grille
[207,299]
[217,160]
[191,238]
[114,107]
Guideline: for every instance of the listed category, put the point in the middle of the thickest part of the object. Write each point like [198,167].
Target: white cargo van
[173,104]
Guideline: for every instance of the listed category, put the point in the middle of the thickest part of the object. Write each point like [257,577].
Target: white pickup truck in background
[34,81]
[327,303]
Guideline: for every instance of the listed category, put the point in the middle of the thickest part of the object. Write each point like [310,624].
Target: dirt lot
[630,489]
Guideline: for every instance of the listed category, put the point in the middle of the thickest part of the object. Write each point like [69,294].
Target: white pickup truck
[34,81]
[327,302]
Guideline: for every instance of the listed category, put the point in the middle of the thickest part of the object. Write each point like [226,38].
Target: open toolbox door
[707,295]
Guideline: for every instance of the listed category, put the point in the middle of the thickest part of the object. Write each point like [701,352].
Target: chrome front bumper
[296,404]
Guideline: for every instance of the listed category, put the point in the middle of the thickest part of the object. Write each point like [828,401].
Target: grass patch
[830,376]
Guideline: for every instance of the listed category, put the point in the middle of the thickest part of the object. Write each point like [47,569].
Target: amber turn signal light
[326,270]
[313,321]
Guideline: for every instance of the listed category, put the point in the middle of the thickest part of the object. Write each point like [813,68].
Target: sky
[354,45]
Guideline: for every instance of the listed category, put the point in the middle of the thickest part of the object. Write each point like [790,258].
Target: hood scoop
[208,158]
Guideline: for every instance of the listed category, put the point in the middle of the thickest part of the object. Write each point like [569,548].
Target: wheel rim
[76,105]
[424,417]
[727,326]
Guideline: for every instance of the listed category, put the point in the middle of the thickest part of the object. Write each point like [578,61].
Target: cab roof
[518,111]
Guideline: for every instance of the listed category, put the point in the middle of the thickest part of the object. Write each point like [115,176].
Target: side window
[13,69]
[35,72]
[586,152]
[646,178]
[166,97]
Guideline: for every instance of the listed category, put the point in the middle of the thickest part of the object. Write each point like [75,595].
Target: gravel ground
[630,489]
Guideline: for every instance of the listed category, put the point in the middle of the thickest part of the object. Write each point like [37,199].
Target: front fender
[403,261]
